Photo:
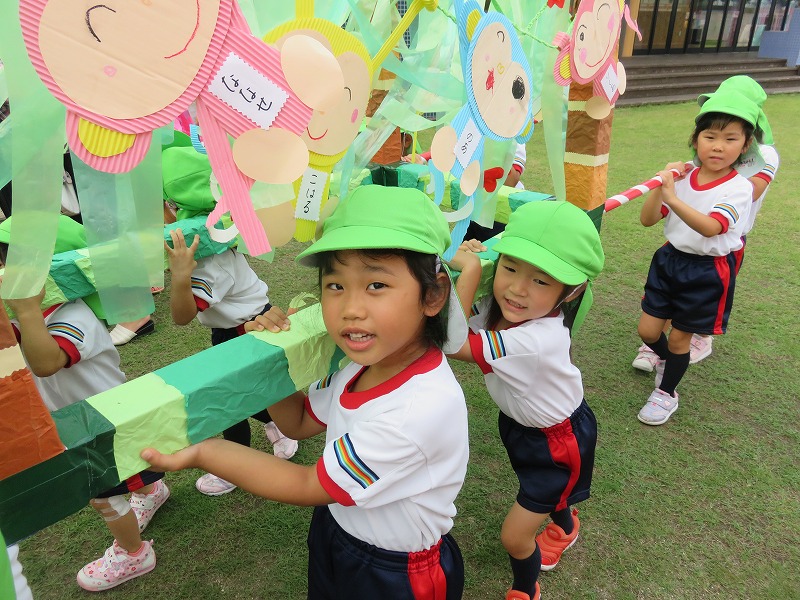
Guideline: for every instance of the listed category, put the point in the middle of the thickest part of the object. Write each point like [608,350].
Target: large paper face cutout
[595,35]
[126,58]
[331,131]
[500,85]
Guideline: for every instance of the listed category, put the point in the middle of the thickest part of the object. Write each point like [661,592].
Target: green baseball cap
[71,234]
[376,217]
[752,90]
[186,175]
[560,239]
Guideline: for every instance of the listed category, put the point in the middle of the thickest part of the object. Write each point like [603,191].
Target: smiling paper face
[594,37]
[125,59]
[501,86]
[331,131]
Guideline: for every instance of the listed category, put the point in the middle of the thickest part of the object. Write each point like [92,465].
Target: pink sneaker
[646,359]
[144,506]
[282,446]
[116,566]
[700,348]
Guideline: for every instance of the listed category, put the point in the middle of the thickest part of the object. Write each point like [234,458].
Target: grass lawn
[706,506]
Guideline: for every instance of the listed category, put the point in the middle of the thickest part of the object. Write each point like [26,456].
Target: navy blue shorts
[133,483]
[554,465]
[342,567]
[695,291]
[220,335]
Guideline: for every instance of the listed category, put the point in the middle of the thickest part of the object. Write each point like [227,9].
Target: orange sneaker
[517,595]
[553,541]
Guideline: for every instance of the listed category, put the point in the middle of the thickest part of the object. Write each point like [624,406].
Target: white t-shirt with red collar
[226,290]
[727,199]
[396,455]
[93,364]
[527,368]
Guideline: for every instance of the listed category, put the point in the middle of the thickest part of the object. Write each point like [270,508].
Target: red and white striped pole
[636,191]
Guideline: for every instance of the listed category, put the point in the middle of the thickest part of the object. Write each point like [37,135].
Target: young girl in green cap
[385,485]
[549,254]
[693,276]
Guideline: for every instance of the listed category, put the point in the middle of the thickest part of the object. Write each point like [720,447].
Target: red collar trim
[711,184]
[50,310]
[432,358]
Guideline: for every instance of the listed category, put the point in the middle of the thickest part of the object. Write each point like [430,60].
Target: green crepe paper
[36,163]
[227,383]
[124,220]
[50,491]
[145,412]
[418,176]
[71,275]
[307,346]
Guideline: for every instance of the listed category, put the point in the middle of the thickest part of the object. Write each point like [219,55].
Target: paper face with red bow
[498,79]
[588,55]
[125,68]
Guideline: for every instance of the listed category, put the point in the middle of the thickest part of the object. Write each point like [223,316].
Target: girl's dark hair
[715,120]
[570,308]
[422,267]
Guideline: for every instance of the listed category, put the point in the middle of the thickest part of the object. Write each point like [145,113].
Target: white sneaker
[211,485]
[700,348]
[282,446]
[646,359]
[144,506]
[659,408]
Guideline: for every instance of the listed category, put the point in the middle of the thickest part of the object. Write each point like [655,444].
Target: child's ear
[437,298]
[576,292]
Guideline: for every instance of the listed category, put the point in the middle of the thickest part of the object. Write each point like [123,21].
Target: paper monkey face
[594,37]
[500,85]
[125,59]
[332,130]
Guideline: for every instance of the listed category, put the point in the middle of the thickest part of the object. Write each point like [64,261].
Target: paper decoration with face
[331,131]
[124,68]
[498,82]
[589,55]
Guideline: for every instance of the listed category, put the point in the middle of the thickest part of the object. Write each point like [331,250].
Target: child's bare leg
[651,329]
[120,520]
[518,536]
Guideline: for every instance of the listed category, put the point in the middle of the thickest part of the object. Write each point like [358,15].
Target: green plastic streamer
[124,231]
[36,163]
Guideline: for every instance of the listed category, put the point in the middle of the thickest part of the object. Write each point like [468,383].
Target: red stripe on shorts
[564,450]
[425,574]
[724,272]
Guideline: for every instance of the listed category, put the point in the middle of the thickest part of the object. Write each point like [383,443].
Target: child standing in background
[549,254]
[701,345]
[693,276]
[71,357]
[385,485]
[222,291]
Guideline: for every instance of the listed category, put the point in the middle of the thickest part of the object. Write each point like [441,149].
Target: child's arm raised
[181,264]
[651,209]
[257,472]
[466,261]
[703,224]
[45,357]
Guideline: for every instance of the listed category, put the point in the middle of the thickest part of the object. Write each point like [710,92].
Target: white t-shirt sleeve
[210,283]
[734,204]
[772,162]
[512,355]
[73,326]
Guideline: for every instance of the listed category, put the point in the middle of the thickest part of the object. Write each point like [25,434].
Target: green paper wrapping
[227,383]
[6,578]
[46,493]
[36,163]
[145,412]
[307,346]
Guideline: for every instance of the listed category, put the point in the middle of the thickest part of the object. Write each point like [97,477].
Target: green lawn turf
[705,506]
